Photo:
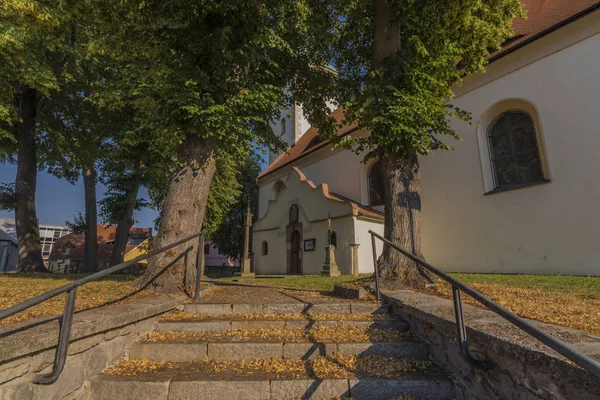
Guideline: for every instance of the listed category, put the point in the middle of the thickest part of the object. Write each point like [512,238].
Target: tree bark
[386,33]
[90,263]
[182,214]
[402,197]
[30,250]
[126,221]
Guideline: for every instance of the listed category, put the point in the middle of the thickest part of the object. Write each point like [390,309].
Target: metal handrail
[71,290]
[578,358]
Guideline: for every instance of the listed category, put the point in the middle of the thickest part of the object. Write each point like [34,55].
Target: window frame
[264,248]
[497,188]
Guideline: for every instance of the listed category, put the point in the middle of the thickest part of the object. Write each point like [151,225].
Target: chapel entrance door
[296,261]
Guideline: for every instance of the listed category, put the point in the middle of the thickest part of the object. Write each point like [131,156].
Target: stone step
[176,351]
[220,324]
[286,308]
[107,387]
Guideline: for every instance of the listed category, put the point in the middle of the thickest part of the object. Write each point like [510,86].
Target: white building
[519,194]
[48,235]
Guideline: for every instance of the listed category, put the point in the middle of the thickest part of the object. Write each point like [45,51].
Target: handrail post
[460,323]
[60,357]
[199,265]
[375,268]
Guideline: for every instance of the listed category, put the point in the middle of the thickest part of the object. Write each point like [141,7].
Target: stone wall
[511,364]
[99,338]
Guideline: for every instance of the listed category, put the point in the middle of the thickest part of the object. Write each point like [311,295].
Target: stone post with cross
[246,259]
[330,268]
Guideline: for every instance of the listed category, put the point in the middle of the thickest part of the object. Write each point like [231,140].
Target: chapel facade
[519,194]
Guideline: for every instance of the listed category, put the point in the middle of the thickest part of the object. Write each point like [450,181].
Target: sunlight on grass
[16,288]
[571,301]
[585,287]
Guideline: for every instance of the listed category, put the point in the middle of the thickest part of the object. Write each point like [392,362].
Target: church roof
[543,17]
[308,143]
[358,210]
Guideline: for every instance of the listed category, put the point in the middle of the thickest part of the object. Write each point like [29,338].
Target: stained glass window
[514,152]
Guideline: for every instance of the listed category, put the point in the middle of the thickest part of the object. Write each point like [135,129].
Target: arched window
[294,214]
[283,126]
[334,239]
[265,248]
[514,152]
[375,184]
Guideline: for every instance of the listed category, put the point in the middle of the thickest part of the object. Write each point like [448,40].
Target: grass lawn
[572,301]
[16,288]
[298,281]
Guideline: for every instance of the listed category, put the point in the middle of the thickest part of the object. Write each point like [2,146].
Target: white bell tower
[290,127]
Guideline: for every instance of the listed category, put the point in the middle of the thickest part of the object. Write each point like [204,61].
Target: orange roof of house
[106,234]
[543,16]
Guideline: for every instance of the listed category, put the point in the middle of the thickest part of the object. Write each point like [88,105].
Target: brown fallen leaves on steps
[331,367]
[322,334]
[182,316]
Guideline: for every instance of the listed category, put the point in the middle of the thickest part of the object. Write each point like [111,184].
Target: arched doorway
[296,261]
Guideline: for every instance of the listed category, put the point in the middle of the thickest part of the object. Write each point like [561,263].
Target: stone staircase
[277,350]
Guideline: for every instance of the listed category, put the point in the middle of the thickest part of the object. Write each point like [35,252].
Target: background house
[69,251]
[9,252]
[49,234]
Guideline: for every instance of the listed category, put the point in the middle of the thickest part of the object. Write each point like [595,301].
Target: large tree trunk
[402,197]
[90,263]
[401,178]
[30,250]
[182,214]
[126,221]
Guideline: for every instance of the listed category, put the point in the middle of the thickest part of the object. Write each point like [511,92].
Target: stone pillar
[246,271]
[330,268]
[355,258]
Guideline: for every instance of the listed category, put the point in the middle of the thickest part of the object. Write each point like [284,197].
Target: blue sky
[58,201]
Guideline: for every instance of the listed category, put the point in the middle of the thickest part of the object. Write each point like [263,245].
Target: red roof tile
[106,234]
[543,16]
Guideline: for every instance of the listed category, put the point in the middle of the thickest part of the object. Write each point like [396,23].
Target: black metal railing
[60,356]
[578,358]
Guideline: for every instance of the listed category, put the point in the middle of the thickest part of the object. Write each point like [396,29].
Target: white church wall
[274,262]
[267,191]
[341,171]
[548,228]
[365,250]
[313,261]
[314,208]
